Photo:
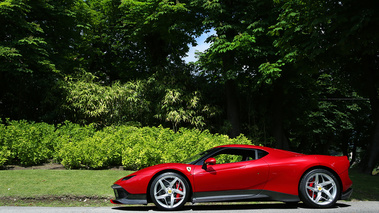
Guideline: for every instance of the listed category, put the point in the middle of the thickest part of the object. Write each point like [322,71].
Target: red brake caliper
[178,195]
[310,191]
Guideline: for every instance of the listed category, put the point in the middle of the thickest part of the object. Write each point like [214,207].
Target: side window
[236,155]
[261,154]
[249,158]
[228,158]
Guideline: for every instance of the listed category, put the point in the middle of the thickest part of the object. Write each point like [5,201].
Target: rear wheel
[319,188]
[169,191]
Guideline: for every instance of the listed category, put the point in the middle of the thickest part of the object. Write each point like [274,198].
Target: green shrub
[98,150]
[159,145]
[29,143]
[70,132]
[142,149]
[77,146]
[4,150]
[68,144]
[5,153]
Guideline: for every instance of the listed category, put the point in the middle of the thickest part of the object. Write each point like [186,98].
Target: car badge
[189,169]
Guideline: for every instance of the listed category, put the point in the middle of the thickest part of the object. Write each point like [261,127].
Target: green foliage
[105,105]
[78,146]
[324,42]
[286,67]
[4,150]
[166,146]
[164,29]
[178,108]
[98,149]
[136,148]
[24,49]
[137,101]
[241,43]
[4,155]
[38,40]
[227,158]
[68,135]
[28,143]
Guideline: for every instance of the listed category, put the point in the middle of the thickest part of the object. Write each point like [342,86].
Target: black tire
[169,191]
[319,188]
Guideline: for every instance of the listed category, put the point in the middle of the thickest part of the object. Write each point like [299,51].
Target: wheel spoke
[327,183]
[318,197]
[311,194]
[330,197]
[178,191]
[316,179]
[321,179]
[158,192]
[161,196]
[165,200]
[162,185]
[172,200]
[312,188]
[173,182]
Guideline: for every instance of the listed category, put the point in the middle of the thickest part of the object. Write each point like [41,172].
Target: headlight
[127,177]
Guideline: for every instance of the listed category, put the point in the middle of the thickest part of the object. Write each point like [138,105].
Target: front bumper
[346,195]
[124,197]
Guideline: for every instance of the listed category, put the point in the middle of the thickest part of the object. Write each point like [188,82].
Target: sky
[201,46]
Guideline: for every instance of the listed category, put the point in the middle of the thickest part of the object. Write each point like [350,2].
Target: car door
[244,177]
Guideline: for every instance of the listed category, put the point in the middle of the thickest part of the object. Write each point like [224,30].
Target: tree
[237,50]
[162,30]
[337,34]
[26,68]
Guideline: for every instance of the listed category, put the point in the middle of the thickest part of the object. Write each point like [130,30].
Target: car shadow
[230,207]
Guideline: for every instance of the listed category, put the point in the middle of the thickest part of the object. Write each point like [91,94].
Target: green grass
[365,187]
[92,187]
[58,187]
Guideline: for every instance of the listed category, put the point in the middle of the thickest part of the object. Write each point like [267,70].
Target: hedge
[27,143]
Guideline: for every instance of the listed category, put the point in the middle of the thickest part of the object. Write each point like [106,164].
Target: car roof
[267,149]
[242,146]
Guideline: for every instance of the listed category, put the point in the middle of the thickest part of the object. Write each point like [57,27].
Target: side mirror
[209,161]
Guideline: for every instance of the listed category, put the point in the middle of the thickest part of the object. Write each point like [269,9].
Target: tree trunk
[232,108]
[277,118]
[228,64]
[373,152]
[345,143]
[353,154]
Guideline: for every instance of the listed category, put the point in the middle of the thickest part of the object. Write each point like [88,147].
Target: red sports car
[239,172]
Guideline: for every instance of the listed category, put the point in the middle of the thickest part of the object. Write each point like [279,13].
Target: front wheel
[169,191]
[319,188]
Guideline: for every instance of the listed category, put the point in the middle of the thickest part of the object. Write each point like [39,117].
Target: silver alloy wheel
[169,191]
[321,189]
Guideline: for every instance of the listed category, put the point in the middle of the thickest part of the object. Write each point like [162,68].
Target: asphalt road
[357,206]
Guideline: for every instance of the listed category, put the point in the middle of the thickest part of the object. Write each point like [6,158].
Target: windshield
[193,159]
